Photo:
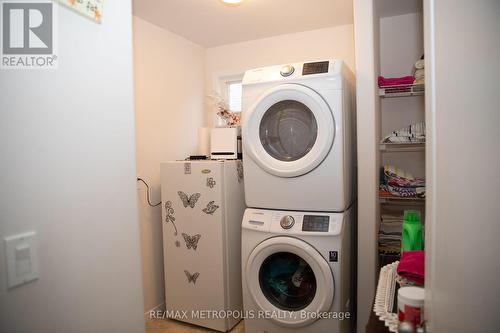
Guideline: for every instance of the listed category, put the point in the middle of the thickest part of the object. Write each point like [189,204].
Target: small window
[234,91]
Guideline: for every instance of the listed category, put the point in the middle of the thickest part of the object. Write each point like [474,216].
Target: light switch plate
[22,258]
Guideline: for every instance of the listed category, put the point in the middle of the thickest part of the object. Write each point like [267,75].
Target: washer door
[289,131]
[288,276]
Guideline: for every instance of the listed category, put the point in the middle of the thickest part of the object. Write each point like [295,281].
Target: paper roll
[204,141]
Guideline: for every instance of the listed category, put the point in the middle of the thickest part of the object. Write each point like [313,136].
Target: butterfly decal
[211,182]
[189,200]
[191,277]
[191,241]
[169,215]
[211,208]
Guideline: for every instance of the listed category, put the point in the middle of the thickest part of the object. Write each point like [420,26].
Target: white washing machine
[299,137]
[297,272]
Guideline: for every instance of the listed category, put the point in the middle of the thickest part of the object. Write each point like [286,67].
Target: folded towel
[390,228]
[400,178]
[420,64]
[412,133]
[395,81]
[403,192]
[392,171]
[411,266]
[400,183]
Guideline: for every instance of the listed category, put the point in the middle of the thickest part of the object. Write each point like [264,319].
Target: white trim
[366,34]
[430,158]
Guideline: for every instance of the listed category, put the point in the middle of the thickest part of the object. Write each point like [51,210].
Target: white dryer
[298,136]
[296,269]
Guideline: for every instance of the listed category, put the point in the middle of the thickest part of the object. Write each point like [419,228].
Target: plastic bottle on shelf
[412,233]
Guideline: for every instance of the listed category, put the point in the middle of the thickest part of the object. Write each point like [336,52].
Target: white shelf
[402,147]
[401,90]
[402,200]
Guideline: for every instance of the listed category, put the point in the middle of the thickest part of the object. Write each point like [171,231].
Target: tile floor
[173,326]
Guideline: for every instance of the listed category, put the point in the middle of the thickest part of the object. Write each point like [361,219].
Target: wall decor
[191,277]
[226,117]
[189,200]
[211,208]
[191,241]
[169,215]
[211,182]
[91,9]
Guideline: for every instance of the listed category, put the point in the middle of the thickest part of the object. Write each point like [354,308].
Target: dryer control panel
[315,67]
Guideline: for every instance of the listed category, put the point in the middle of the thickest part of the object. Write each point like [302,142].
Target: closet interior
[402,121]
[399,159]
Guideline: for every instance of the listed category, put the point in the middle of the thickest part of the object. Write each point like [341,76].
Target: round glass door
[288,130]
[287,281]
[287,275]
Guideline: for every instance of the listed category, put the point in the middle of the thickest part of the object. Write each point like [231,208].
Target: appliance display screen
[315,223]
[315,68]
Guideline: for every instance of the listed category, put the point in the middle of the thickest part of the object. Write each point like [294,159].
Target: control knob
[287,222]
[287,70]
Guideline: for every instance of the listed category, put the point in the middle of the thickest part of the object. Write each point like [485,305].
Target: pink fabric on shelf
[411,266]
[395,81]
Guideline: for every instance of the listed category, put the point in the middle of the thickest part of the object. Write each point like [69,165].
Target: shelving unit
[401,90]
[400,106]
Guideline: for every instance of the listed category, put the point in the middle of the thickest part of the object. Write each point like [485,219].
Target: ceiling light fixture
[232,2]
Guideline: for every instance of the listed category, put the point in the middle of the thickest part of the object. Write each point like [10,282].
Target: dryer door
[290,279]
[289,130]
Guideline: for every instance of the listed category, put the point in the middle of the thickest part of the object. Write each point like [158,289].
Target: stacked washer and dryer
[298,130]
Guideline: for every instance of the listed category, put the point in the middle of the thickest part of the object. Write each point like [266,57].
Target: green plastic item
[412,233]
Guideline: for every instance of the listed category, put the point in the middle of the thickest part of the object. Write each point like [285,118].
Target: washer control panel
[293,222]
[319,223]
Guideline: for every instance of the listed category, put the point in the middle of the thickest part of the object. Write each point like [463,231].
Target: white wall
[67,147]
[169,92]
[401,43]
[462,109]
[334,42]
[368,131]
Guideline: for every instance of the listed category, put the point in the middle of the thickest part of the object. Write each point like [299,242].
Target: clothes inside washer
[287,281]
